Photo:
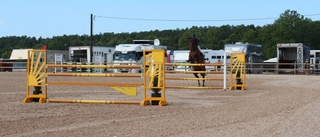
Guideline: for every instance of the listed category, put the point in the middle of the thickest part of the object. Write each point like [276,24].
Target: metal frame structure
[237,71]
[154,70]
[36,76]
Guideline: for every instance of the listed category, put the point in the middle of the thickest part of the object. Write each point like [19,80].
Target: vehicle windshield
[123,57]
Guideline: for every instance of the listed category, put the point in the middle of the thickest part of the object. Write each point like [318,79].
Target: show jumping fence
[236,69]
[37,78]
[154,78]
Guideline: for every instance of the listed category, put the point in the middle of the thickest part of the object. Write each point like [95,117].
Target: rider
[193,36]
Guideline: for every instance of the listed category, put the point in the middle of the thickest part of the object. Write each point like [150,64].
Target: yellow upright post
[237,71]
[36,76]
[154,77]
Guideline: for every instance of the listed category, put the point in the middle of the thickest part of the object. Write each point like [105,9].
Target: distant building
[52,56]
[19,58]
[99,55]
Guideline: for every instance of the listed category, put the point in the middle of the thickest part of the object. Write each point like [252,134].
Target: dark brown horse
[196,57]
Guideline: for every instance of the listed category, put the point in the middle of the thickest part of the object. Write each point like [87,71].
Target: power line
[189,20]
[316,14]
[175,20]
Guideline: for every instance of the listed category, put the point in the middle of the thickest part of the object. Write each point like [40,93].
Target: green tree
[292,27]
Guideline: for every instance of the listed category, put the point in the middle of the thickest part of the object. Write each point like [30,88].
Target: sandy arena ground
[272,105]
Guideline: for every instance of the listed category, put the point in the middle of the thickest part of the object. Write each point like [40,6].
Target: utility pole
[91,41]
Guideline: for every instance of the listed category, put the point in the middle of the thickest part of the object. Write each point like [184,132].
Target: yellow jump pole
[95,75]
[92,66]
[93,101]
[93,84]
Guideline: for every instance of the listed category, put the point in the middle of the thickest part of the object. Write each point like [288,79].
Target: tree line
[290,27]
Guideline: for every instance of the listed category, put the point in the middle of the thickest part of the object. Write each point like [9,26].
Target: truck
[253,52]
[132,54]
[292,57]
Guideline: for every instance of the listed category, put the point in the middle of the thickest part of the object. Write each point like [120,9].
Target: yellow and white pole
[225,71]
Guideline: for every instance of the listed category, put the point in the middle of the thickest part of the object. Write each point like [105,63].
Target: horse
[196,57]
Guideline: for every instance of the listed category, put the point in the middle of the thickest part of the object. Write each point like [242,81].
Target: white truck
[292,57]
[132,54]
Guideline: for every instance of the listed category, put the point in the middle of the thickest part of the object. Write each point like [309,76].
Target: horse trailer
[292,57]
[253,52]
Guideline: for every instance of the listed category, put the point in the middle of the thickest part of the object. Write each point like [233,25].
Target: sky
[48,18]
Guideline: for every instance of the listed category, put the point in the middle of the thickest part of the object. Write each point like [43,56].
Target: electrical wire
[189,20]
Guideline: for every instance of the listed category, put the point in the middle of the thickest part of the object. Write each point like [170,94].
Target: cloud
[1,21]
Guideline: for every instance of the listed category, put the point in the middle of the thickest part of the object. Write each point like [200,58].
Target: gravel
[272,105]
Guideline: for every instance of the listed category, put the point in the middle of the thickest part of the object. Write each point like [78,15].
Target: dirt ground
[272,105]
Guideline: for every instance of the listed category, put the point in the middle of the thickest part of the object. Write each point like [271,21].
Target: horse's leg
[196,75]
[203,76]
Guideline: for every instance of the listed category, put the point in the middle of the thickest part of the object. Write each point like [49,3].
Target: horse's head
[193,42]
